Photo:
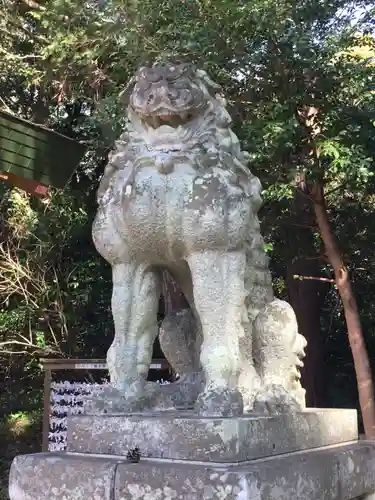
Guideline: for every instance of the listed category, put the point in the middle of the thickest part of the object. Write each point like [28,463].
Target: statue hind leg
[180,338]
[180,333]
[135,299]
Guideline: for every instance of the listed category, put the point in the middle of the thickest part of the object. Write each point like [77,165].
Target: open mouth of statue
[169,120]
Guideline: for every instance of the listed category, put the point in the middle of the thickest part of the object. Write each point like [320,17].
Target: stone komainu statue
[177,194]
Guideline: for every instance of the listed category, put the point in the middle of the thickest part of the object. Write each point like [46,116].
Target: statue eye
[154,76]
[175,73]
[142,75]
[143,84]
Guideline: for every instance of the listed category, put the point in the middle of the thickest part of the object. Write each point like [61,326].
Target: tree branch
[314,278]
[32,5]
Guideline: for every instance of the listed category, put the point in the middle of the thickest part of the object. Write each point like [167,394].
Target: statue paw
[110,401]
[274,399]
[219,402]
[185,391]
[136,396]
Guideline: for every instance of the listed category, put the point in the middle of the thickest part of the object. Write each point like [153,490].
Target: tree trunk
[306,298]
[353,323]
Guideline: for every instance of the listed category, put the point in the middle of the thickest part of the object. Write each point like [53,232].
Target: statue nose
[165,93]
[162,94]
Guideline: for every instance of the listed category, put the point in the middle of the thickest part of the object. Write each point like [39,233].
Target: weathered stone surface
[55,476]
[112,401]
[179,395]
[357,470]
[177,195]
[206,439]
[280,350]
[218,402]
[169,481]
[303,477]
[181,339]
[326,474]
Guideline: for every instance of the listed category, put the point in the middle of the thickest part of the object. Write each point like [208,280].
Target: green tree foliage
[64,62]
[47,282]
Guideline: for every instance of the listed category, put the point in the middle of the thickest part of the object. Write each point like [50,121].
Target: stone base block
[334,473]
[211,439]
[55,476]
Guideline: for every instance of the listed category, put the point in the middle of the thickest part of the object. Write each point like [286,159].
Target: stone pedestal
[187,437]
[312,455]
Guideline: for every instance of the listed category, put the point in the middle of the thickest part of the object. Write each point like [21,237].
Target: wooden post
[46,408]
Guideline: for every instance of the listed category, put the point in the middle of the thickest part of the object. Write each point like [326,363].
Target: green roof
[37,153]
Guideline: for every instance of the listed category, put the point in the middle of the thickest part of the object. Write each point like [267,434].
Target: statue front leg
[135,299]
[219,294]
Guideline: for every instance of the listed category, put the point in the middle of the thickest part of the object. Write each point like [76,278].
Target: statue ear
[213,88]
[126,92]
